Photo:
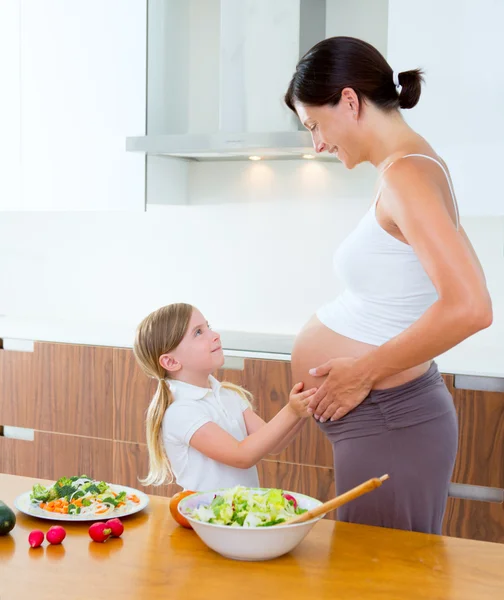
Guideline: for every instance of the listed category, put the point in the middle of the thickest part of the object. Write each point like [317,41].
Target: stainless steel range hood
[217,72]
[271,145]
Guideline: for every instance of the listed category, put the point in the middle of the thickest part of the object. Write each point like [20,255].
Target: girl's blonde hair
[160,333]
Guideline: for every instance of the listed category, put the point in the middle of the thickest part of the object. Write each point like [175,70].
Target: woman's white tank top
[386,286]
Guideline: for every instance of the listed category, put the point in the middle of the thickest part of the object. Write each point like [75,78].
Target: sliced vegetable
[291,498]
[82,496]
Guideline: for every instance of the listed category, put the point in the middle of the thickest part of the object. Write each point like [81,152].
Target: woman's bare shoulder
[419,181]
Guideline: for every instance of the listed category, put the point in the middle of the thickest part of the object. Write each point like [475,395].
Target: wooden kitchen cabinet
[474,520]
[63,388]
[133,392]
[51,456]
[87,406]
[480,459]
[17,388]
[130,464]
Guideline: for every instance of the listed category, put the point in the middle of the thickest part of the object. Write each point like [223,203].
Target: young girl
[200,432]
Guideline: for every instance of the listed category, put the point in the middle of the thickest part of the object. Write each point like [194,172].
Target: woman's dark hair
[345,62]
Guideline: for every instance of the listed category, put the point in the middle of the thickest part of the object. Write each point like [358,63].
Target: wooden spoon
[355,492]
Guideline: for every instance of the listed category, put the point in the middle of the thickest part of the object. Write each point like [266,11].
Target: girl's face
[199,352]
[334,129]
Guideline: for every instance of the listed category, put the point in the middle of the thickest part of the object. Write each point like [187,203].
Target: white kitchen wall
[10,105]
[72,88]
[364,19]
[254,253]
[460,111]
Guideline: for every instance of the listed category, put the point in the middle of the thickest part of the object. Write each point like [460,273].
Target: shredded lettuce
[246,507]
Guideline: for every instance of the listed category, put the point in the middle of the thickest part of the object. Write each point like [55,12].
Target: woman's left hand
[344,389]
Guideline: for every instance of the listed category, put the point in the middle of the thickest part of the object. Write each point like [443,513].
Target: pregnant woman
[414,288]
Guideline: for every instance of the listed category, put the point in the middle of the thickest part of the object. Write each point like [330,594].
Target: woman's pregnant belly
[316,344]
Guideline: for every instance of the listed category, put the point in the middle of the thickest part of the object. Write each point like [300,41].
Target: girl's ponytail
[159,333]
[159,466]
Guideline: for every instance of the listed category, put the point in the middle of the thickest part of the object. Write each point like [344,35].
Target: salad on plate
[245,507]
[81,495]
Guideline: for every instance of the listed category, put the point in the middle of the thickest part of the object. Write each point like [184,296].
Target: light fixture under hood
[217,72]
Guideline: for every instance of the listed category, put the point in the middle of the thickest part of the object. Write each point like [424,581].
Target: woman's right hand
[299,401]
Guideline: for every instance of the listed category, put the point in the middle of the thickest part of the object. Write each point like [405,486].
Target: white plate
[23,504]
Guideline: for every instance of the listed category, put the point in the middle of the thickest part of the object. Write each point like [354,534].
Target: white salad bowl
[248,543]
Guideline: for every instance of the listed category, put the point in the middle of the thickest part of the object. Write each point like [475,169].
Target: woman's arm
[415,204]
[463,307]
[254,422]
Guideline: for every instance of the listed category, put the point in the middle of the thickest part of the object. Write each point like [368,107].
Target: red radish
[56,535]
[116,526]
[99,532]
[36,538]
[290,498]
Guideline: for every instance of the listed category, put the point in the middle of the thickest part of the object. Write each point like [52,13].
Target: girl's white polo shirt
[192,407]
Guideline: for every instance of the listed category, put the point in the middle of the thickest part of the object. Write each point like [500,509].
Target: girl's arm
[254,422]
[212,441]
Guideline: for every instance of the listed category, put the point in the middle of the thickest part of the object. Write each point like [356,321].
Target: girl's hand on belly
[343,390]
[299,400]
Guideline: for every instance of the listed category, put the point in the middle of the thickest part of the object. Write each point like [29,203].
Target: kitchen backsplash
[253,250]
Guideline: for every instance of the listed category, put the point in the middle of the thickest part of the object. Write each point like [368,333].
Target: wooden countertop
[157,559]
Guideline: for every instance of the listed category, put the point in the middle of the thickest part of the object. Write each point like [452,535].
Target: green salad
[245,507]
[81,495]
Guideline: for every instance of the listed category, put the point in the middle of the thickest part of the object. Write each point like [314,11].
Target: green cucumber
[7,519]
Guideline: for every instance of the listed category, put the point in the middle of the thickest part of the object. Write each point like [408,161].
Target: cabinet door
[459,45]
[83,90]
[58,388]
[9,105]
[51,456]
[479,463]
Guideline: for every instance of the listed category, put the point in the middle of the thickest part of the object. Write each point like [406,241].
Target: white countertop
[480,355]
